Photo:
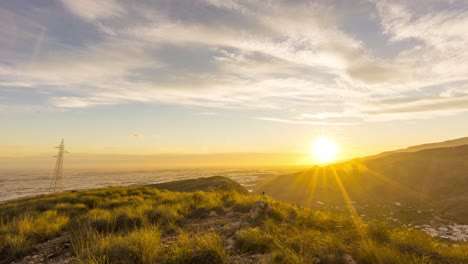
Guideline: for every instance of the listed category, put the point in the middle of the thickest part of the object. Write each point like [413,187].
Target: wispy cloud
[296,56]
[305,122]
[94,10]
[135,135]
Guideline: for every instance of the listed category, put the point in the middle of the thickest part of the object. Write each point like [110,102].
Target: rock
[348,259]
[232,226]
[443,229]
[213,214]
[259,208]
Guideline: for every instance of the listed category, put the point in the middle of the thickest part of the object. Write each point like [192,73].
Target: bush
[101,220]
[209,249]
[180,252]
[71,209]
[378,232]
[253,240]
[20,234]
[126,221]
[140,246]
[414,242]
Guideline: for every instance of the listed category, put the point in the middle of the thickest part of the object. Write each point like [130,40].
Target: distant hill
[443,144]
[214,183]
[427,179]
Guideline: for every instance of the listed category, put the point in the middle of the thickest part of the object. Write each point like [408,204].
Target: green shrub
[101,220]
[413,242]
[140,246]
[180,252]
[71,209]
[163,215]
[253,240]
[209,249]
[126,220]
[19,235]
[378,232]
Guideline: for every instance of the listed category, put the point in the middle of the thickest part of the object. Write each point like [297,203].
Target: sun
[324,150]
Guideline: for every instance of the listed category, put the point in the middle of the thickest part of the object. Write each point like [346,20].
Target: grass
[147,225]
[138,246]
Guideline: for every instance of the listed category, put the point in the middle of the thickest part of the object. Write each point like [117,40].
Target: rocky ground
[453,232]
[54,251]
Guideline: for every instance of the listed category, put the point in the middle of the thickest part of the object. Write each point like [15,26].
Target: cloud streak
[90,10]
[295,56]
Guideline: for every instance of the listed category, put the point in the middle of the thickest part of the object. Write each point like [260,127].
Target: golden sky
[207,76]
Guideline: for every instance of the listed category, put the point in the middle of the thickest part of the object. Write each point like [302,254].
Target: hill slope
[428,179]
[202,184]
[443,144]
[147,225]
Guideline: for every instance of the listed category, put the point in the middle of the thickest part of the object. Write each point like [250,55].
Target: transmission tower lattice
[57,178]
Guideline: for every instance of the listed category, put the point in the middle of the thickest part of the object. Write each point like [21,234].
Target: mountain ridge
[441,144]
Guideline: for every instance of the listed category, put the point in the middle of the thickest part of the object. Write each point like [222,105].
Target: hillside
[214,183]
[146,225]
[443,144]
[434,179]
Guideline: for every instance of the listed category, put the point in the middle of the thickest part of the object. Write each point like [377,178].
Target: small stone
[348,259]
[213,214]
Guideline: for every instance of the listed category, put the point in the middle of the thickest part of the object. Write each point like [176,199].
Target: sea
[16,185]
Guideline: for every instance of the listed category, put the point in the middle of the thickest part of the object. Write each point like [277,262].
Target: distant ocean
[14,185]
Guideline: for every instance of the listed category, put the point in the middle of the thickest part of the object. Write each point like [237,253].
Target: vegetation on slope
[147,225]
[202,184]
[445,144]
[434,178]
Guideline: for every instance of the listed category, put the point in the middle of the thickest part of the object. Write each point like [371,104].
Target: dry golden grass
[129,225]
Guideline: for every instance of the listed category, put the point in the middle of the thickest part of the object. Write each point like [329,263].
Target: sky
[223,76]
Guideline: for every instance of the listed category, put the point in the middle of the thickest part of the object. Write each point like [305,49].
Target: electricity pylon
[57,178]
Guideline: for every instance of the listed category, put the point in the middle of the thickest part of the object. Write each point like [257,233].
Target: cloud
[425,107]
[441,54]
[304,122]
[285,56]
[135,135]
[90,10]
